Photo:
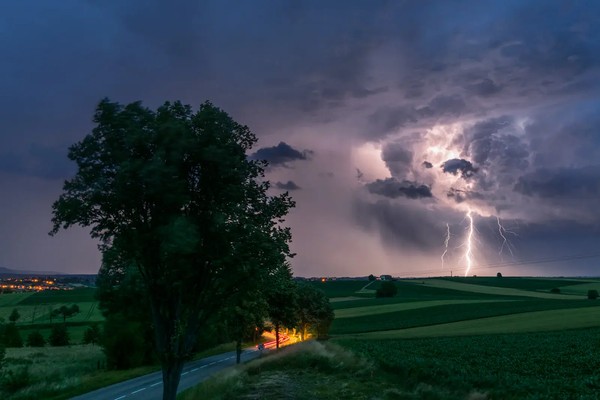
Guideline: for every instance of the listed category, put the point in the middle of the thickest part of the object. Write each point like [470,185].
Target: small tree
[66,312]
[14,316]
[59,336]
[372,278]
[91,334]
[499,275]
[11,336]
[35,339]
[592,294]
[387,289]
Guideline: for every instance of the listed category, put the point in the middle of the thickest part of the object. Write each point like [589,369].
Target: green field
[35,311]
[447,338]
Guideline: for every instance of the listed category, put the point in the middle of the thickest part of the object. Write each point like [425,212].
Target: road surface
[149,387]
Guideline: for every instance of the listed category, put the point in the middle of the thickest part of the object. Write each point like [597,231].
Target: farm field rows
[35,310]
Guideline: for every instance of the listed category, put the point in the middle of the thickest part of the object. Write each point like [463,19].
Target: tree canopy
[172,194]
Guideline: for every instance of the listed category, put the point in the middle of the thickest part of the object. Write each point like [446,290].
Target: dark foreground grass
[558,365]
[448,313]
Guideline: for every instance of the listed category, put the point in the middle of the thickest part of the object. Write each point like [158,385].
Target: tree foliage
[35,339]
[14,316]
[314,311]
[59,336]
[171,193]
[387,289]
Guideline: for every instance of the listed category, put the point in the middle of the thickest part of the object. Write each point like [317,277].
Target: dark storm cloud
[387,119]
[401,224]
[573,183]
[427,164]
[289,185]
[459,195]
[392,188]
[280,155]
[397,158]
[456,165]
[523,75]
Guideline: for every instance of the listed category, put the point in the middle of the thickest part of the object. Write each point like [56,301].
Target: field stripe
[467,287]
[388,308]
[552,320]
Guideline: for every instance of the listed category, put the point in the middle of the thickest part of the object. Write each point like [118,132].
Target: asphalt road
[149,387]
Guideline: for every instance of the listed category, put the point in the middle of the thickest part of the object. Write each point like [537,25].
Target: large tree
[172,193]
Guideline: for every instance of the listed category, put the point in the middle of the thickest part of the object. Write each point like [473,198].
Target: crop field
[444,339]
[35,310]
[340,288]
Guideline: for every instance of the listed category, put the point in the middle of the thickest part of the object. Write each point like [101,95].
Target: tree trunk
[171,372]
[238,351]
[277,336]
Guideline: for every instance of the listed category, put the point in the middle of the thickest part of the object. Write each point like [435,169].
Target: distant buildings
[31,284]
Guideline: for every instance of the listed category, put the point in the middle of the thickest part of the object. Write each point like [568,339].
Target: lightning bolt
[503,234]
[446,241]
[469,243]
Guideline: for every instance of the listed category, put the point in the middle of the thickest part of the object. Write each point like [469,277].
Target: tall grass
[56,373]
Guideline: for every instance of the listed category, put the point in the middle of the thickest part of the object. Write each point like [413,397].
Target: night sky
[389,122]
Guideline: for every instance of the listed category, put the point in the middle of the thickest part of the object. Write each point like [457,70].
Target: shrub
[35,339]
[11,336]
[15,380]
[91,335]
[124,343]
[387,289]
[499,275]
[555,290]
[59,335]
[592,294]
[372,278]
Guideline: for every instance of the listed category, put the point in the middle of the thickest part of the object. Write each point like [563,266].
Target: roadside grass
[309,370]
[442,314]
[556,365]
[539,321]
[58,373]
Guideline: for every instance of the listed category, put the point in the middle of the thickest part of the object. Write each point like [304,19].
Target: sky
[400,128]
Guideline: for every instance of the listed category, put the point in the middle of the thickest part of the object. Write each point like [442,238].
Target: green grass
[75,296]
[533,284]
[557,365]
[404,306]
[12,299]
[538,321]
[580,289]
[442,314]
[493,290]
[340,288]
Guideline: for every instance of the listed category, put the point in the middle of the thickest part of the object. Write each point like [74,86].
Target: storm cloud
[414,113]
[392,188]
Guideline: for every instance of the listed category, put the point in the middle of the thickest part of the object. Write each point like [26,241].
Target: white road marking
[122,397]
[155,384]
[139,390]
[212,363]
[185,373]
[194,370]
[204,366]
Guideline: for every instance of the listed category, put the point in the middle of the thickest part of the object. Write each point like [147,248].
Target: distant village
[23,283]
